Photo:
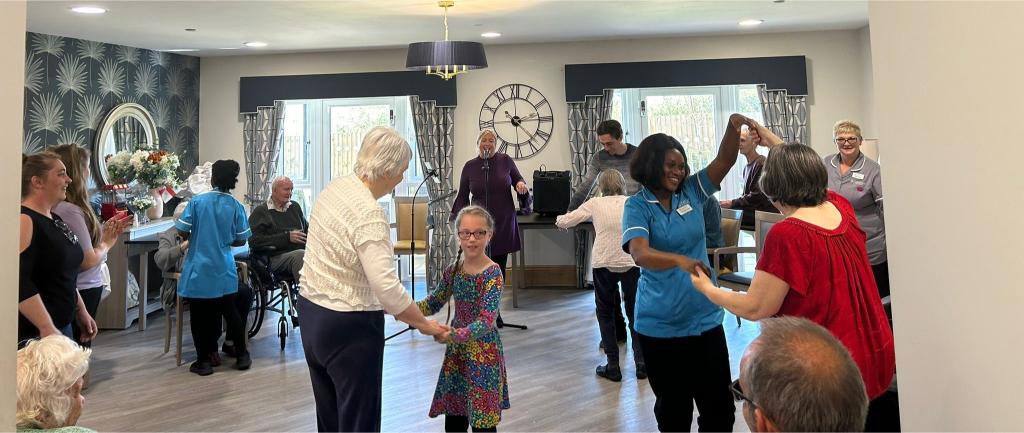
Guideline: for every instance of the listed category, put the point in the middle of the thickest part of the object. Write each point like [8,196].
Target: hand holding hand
[691,266]
[297,237]
[432,328]
[184,246]
[701,281]
[763,136]
[736,121]
[444,337]
[725,204]
[521,188]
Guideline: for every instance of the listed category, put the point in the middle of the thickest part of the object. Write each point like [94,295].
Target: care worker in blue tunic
[212,223]
[679,329]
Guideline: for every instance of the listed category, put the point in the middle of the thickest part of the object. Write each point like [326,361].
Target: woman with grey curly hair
[50,376]
[348,282]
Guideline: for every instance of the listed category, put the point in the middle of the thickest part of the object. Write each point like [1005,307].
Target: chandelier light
[445,59]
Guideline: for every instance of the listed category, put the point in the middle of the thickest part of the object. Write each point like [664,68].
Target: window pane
[348,125]
[294,161]
[688,118]
[749,103]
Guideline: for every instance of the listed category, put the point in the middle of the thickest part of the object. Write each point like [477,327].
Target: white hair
[384,153]
[278,180]
[47,370]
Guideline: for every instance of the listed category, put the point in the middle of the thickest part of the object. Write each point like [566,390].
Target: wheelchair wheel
[258,309]
[282,331]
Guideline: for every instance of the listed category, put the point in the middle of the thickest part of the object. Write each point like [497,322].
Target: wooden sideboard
[132,254]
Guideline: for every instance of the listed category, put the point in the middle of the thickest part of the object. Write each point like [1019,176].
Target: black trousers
[884,413]
[345,355]
[606,295]
[91,297]
[205,317]
[881,272]
[455,423]
[243,302]
[685,370]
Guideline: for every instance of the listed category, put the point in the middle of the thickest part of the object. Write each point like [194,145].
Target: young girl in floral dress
[472,389]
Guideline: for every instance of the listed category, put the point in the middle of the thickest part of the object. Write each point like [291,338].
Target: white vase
[157,210]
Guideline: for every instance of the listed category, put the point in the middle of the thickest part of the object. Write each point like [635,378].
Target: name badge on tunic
[684,209]
[858,176]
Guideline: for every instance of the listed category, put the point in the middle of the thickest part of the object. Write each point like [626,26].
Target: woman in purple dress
[488,178]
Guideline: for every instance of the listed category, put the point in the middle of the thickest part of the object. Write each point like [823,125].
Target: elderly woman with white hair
[348,282]
[50,376]
[612,267]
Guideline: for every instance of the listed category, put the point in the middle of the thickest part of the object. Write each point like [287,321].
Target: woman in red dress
[814,264]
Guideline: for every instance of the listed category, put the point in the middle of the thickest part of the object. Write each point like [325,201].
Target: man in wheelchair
[279,230]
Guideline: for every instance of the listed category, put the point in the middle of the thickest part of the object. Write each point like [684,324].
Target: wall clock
[520,116]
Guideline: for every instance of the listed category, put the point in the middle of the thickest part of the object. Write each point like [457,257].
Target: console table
[135,244]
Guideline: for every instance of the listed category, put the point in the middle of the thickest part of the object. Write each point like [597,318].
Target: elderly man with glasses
[797,377]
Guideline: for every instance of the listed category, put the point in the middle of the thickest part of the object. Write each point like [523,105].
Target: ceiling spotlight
[182,50]
[88,10]
[255,44]
[751,23]
[491,35]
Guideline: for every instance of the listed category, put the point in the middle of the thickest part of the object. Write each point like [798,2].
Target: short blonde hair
[611,182]
[384,153]
[47,370]
[483,132]
[847,126]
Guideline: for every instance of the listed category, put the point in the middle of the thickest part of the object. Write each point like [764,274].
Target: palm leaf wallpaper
[70,84]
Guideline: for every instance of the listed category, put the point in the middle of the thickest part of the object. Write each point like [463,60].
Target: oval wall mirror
[125,127]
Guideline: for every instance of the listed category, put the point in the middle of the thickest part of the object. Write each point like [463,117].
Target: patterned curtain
[261,137]
[785,115]
[583,120]
[435,142]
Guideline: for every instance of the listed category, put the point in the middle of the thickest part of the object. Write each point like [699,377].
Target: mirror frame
[117,113]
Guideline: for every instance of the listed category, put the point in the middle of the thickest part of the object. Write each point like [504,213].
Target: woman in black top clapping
[48,299]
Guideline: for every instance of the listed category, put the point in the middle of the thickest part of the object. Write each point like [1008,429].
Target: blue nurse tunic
[214,221]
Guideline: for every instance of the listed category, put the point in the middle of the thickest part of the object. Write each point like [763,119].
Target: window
[321,139]
[695,116]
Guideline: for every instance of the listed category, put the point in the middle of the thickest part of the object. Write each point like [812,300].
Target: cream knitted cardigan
[345,220]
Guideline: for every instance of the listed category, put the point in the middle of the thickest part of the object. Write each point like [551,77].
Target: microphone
[431,172]
[487,159]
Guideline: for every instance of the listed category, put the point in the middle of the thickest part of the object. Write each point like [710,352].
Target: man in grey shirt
[616,155]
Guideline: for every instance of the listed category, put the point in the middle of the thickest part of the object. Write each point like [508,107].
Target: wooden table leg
[143,288]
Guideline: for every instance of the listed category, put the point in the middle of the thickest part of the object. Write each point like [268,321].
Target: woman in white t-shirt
[612,267]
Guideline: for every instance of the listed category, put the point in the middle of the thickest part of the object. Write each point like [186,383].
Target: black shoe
[243,362]
[611,373]
[641,371]
[229,350]
[202,368]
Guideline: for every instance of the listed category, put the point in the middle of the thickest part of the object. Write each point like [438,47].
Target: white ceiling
[299,26]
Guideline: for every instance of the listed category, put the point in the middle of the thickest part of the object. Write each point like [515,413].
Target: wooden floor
[135,387]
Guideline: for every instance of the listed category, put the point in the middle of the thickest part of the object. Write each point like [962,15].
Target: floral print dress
[472,382]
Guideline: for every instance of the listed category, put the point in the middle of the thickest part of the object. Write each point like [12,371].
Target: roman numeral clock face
[520,116]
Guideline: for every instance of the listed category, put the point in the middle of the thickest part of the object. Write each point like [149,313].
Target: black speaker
[551,192]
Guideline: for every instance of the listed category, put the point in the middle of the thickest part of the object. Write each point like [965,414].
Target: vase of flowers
[144,204]
[151,168]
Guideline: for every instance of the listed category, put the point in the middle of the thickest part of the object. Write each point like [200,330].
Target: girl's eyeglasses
[465,234]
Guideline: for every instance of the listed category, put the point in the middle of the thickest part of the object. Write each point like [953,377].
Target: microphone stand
[412,246]
[487,202]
